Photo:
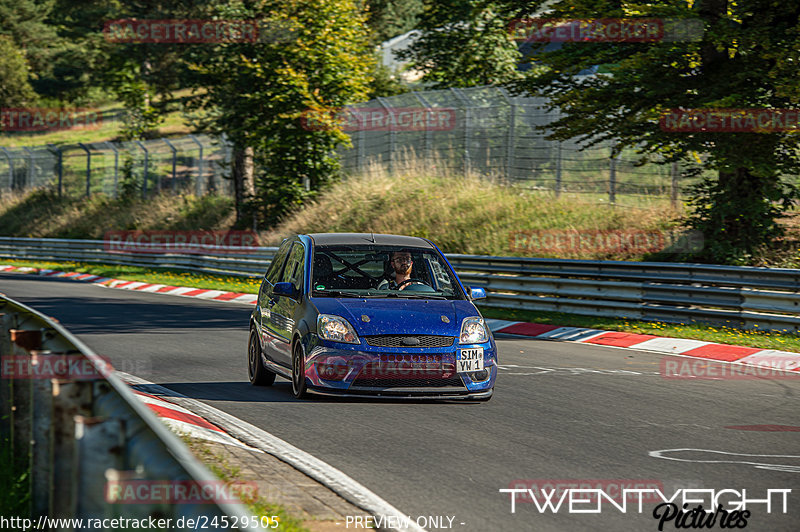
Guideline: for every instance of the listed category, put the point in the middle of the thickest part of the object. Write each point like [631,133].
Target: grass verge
[695,331]
[14,485]
[167,276]
[258,506]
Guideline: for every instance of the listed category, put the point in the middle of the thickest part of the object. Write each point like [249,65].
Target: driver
[401,263]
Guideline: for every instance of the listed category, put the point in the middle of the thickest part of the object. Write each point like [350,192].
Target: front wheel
[299,389]
[258,374]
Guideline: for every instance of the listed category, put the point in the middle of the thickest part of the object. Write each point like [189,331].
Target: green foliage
[738,213]
[385,83]
[14,484]
[135,95]
[747,57]
[15,91]
[316,60]
[463,43]
[25,22]
[390,18]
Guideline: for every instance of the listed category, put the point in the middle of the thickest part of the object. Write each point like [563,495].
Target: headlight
[336,329]
[473,331]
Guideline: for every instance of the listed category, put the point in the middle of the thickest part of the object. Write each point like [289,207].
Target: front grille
[409,375]
[409,383]
[397,341]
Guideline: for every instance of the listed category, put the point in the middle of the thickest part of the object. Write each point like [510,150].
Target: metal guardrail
[251,264]
[83,427]
[743,297]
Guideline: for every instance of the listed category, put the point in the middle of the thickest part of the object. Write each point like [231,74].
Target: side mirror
[286,290]
[477,293]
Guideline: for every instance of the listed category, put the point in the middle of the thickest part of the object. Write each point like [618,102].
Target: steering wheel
[409,281]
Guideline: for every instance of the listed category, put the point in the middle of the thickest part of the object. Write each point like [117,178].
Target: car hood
[399,316]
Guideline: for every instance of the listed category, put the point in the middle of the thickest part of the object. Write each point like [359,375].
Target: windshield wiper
[339,293]
[421,296]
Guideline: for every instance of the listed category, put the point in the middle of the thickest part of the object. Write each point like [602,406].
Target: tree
[463,43]
[748,57]
[390,18]
[15,91]
[312,57]
[25,22]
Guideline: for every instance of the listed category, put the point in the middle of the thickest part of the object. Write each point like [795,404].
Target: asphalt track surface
[561,411]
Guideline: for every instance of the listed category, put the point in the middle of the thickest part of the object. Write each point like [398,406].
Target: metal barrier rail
[743,297]
[734,296]
[78,427]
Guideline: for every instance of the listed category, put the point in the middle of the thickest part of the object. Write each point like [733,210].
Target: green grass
[174,125]
[165,276]
[14,485]
[43,214]
[695,331]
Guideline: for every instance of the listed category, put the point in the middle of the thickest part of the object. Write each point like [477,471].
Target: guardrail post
[392,134]
[428,133]
[10,168]
[70,399]
[23,342]
[198,190]
[612,177]
[30,166]
[42,465]
[558,168]
[144,179]
[174,161]
[674,184]
[99,447]
[6,384]
[467,116]
[116,167]
[511,138]
[59,165]
[88,168]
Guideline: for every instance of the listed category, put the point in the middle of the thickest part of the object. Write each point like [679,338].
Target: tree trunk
[243,181]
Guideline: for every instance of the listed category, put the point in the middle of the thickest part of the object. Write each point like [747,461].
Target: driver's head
[401,262]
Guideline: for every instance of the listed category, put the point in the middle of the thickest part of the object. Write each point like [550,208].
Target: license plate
[469,359]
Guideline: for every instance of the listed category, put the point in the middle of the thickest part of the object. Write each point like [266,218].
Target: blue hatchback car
[368,314]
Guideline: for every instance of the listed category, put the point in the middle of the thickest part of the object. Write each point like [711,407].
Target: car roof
[343,239]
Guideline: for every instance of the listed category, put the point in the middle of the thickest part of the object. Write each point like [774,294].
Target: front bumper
[398,372]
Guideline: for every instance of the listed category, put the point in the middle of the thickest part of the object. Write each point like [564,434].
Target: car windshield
[382,272]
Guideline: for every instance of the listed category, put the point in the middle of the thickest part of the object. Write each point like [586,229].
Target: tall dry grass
[462,214]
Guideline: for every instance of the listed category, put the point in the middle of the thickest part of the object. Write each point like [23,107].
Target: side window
[277,262]
[295,266]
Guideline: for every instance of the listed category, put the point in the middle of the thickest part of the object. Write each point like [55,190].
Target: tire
[299,389]
[259,375]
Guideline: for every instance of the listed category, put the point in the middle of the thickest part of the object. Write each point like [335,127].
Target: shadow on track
[120,315]
[280,392]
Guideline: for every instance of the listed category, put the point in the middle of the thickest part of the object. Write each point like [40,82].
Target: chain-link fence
[196,163]
[492,132]
[481,130]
